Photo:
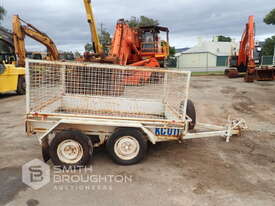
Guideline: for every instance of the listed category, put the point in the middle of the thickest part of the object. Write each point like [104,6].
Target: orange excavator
[19,33]
[140,46]
[245,61]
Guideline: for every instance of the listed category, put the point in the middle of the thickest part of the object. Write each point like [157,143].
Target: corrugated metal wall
[196,60]
[222,61]
[267,60]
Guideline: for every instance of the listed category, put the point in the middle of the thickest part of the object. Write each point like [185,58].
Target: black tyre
[191,112]
[127,146]
[71,149]
[21,85]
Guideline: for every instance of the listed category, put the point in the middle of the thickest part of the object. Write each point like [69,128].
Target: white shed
[196,59]
[207,56]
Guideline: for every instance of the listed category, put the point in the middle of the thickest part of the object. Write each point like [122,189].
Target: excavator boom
[98,49]
[245,58]
[19,33]
[247,44]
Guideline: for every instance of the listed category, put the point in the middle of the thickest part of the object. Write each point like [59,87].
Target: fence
[106,90]
[268,60]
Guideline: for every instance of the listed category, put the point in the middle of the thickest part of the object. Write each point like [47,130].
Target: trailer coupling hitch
[235,127]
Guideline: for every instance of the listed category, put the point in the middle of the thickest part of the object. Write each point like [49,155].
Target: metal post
[207,62]
[186,93]
[165,88]
[27,79]
[63,80]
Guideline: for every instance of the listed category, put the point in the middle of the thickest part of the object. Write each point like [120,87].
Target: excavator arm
[247,45]
[98,49]
[19,33]
[246,53]
[251,46]
[245,58]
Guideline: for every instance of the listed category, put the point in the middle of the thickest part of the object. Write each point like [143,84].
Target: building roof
[216,48]
[180,50]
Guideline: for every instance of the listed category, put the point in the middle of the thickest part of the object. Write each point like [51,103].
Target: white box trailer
[74,107]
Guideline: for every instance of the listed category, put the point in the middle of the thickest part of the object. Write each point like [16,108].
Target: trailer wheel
[21,85]
[127,146]
[191,112]
[71,148]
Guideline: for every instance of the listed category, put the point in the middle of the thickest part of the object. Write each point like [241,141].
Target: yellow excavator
[13,54]
[19,33]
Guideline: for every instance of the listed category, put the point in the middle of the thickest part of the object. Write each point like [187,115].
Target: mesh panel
[105,90]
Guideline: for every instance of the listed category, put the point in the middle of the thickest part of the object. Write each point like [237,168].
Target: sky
[188,20]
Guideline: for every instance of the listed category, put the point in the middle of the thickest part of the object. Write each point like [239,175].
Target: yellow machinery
[19,32]
[11,76]
[92,24]
[13,54]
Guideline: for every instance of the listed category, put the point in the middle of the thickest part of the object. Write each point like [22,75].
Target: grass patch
[207,73]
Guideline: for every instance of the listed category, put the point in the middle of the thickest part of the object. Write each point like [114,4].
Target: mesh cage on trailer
[106,90]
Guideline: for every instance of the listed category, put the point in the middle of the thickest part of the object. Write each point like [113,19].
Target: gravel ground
[195,172]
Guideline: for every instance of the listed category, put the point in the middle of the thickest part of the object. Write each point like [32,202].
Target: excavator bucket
[265,73]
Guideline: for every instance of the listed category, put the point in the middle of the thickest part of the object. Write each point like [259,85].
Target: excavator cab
[151,43]
[7,54]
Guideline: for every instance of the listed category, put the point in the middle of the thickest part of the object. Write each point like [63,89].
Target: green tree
[224,38]
[172,51]
[88,47]
[142,21]
[268,47]
[270,17]
[105,40]
[2,13]
[77,54]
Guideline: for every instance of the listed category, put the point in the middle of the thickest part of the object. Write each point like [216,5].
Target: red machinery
[246,61]
[140,46]
[131,45]
[136,47]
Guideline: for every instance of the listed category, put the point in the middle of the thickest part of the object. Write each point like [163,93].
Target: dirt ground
[197,172]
